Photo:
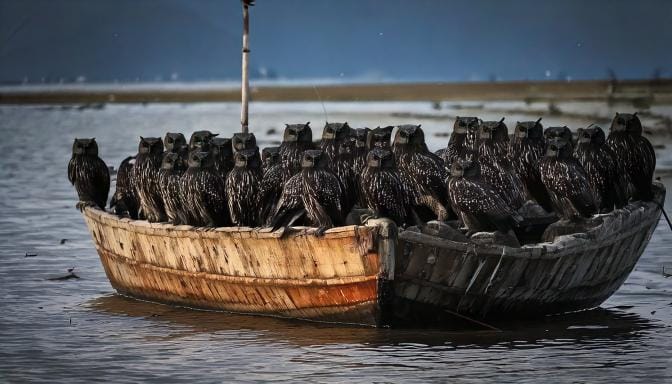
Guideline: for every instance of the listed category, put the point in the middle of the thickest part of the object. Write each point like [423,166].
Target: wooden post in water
[245,86]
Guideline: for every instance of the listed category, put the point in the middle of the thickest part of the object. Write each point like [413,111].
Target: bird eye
[521,128]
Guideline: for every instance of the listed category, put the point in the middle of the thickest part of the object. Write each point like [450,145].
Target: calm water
[79,330]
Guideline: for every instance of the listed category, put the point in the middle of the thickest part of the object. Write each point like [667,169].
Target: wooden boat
[370,274]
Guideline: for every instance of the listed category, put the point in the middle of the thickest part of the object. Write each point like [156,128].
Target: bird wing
[290,202]
[71,171]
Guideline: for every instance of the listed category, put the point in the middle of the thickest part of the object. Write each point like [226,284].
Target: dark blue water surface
[79,330]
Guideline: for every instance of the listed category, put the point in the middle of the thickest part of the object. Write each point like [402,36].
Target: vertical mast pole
[245,86]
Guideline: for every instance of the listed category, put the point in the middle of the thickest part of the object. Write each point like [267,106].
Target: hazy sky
[345,39]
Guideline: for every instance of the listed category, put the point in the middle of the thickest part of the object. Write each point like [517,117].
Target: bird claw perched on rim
[319,232]
[81,205]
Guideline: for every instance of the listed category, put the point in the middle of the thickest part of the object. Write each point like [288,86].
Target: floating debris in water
[63,241]
[30,254]
[71,275]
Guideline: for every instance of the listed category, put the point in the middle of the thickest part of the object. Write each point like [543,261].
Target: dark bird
[200,141]
[270,156]
[332,137]
[176,143]
[566,181]
[322,192]
[242,141]
[559,132]
[465,130]
[525,151]
[422,173]
[296,139]
[242,188]
[124,200]
[343,166]
[169,184]
[599,162]
[146,178]
[379,137]
[89,174]
[383,191]
[203,193]
[493,138]
[359,155]
[290,206]
[478,205]
[496,169]
[634,154]
[221,151]
[270,190]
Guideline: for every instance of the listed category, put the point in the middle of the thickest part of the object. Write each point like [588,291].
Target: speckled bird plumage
[383,191]
[566,181]
[525,151]
[146,178]
[221,150]
[203,193]
[422,173]
[465,131]
[635,155]
[493,140]
[296,139]
[242,188]
[477,204]
[169,184]
[599,162]
[270,189]
[343,166]
[124,200]
[332,137]
[89,173]
[270,156]
[176,143]
[290,205]
[322,192]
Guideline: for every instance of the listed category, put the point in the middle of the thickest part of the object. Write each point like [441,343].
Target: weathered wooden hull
[349,274]
[338,277]
[575,272]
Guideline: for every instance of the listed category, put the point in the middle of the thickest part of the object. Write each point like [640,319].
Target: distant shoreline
[637,92]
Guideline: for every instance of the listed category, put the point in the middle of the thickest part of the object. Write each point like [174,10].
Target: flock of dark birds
[483,177]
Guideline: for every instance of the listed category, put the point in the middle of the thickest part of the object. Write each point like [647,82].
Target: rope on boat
[667,218]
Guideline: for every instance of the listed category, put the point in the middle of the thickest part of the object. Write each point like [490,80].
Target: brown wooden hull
[349,275]
[336,277]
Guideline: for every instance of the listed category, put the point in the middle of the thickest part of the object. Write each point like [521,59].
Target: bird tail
[287,218]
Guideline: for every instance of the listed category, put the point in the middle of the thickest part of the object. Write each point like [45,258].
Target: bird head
[529,129]
[85,147]
[312,158]
[198,159]
[409,134]
[174,141]
[270,156]
[593,135]
[464,167]
[379,137]
[335,131]
[298,132]
[248,158]
[493,130]
[220,147]
[170,161]
[463,125]
[380,158]
[150,145]
[627,122]
[242,141]
[200,140]
[360,135]
[558,148]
